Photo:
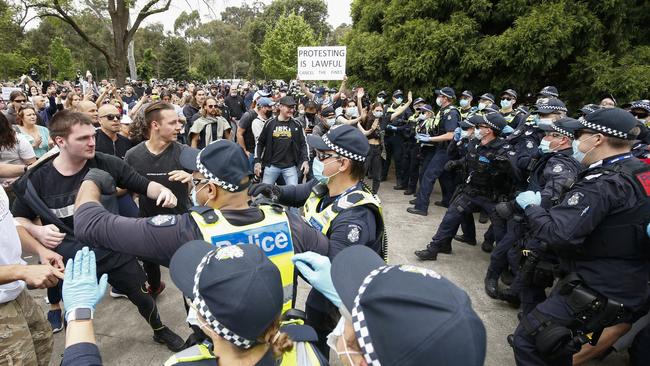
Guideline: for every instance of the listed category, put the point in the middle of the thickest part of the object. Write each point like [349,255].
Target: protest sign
[7,91]
[321,63]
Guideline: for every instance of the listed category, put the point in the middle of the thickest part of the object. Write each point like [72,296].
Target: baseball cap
[588,108]
[235,288]
[382,94]
[427,108]
[615,122]
[447,92]
[397,92]
[345,140]
[418,100]
[550,105]
[287,100]
[265,102]
[406,315]
[223,162]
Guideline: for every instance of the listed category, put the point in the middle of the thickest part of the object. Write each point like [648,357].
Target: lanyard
[623,157]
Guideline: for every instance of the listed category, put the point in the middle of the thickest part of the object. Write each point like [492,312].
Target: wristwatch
[79,314]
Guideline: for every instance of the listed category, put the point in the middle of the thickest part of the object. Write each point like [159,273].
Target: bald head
[109,119]
[89,109]
[39,102]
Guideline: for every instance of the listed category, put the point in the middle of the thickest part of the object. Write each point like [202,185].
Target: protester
[37,136]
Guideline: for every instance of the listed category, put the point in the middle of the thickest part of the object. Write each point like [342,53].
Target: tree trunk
[133,71]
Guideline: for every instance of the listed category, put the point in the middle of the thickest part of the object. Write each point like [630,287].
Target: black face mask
[310,116]
[268,114]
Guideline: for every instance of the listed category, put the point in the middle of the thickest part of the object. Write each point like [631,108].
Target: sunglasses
[111,117]
[20,100]
[211,106]
[197,181]
[507,98]
[323,156]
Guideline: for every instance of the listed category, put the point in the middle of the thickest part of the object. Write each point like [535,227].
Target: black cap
[487,96]
[510,92]
[495,121]
[447,92]
[327,111]
[397,92]
[223,162]
[641,104]
[382,94]
[615,122]
[406,315]
[287,100]
[235,288]
[465,124]
[588,108]
[418,100]
[467,93]
[565,126]
[345,140]
[550,105]
[321,90]
[549,92]
[427,108]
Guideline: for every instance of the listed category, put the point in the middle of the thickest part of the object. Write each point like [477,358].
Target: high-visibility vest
[272,235]
[196,355]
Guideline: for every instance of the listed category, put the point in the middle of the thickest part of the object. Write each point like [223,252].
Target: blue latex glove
[316,269]
[483,159]
[524,199]
[80,287]
[507,130]
[422,137]
[391,127]
[457,133]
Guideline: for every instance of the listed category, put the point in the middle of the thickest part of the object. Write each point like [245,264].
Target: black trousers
[393,145]
[374,166]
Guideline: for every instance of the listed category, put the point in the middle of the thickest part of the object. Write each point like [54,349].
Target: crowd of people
[244,186]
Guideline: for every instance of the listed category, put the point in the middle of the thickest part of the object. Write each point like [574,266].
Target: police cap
[345,140]
[549,92]
[495,121]
[613,122]
[565,126]
[406,315]
[467,93]
[641,104]
[427,108]
[418,100]
[510,92]
[588,108]
[465,124]
[550,105]
[327,112]
[382,94]
[397,92]
[236,288]
[447,92]
[223,162]
[487,96]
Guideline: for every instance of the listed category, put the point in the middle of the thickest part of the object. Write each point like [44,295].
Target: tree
[61,59]
[239,16]
[116,51]
[280,48]
[147,67]
[174,62]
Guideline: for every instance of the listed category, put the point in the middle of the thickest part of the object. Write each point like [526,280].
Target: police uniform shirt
[450,119]
[565,227]
[157,238]
[553,175]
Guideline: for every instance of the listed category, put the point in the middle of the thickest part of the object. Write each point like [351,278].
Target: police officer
[599,234]
[395,315]
[337,204]
[488,182]
[237,294]
[549,92]
[553,174]
[394,139]
[381,97]
[441,132]
[221,215]
[486,100]
[412,149]
[465,103]
[513,116]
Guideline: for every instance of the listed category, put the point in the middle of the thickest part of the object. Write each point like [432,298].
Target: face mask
[463,134]
[422,117]
[545,146]
[481,106]
[330,121]
[398,100]
[478,134]
[301,112]
[506,104]
[439,102]
[268,114]
[380,100]
[195,200]
[577,154]
[377,114]
[192,317]
[310,116]
[351,111]
[332,340]
[318,167]
[464,103]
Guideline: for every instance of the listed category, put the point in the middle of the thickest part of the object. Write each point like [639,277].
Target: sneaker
[55,318]
[170,339]
[156,292]
[115,293]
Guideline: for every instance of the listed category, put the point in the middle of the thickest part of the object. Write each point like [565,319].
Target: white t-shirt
[256,127]
[10,249]
[18,154]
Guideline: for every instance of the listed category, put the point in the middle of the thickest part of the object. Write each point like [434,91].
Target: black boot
[464,239]
[492,285]
[413,201]
[487,246]
[510,296]
[170,339]
[399,187]
[444,247]
[483,218]
[427,254]
[409,191]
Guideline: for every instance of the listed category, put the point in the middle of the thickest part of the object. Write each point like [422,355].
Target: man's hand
[40,275]
[265,189]
[48,235]
[102,180]
[52,258]
[258,169]
[80,287]
[179,176]
[166,199]
[304,168]
[410,96]
[316,269]
[281,344]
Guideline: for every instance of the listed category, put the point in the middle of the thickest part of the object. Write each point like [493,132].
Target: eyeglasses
[197,181]
[111,117]
[211,106]
[323,156]
[555,135]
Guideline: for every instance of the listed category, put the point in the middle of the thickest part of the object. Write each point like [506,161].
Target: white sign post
[321,63]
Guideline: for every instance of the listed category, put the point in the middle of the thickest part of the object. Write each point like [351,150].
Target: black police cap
[550,105]
[447,92]
[397,93]
[467,93]
[345,140]
[223,162]
[495,121]
[549,91]
[510,92]
[565,126]
[382,94]
[487,96]
[613,122]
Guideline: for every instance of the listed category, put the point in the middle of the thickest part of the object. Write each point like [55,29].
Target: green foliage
[584,47]
[279,50]
[174,59]
[61,59]
[147,66]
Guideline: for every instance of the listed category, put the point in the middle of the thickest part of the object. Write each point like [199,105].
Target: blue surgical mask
[330,121]
[505,103]
[398,100]
[577,154]
[464,134]
[464,103]
[195,200]
[545,146]
[477,134]
[317,167]
[481,106]
[377,114]
[439,101]
[380,100]
[352,111]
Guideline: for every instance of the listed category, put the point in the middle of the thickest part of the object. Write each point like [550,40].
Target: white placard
[321,63]
[7,91]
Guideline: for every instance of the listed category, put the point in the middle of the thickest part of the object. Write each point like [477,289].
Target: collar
[568,151]
[611,160]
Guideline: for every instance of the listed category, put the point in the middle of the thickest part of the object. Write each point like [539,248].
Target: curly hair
[139,129]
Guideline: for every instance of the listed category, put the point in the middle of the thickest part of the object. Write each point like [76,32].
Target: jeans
[271,174]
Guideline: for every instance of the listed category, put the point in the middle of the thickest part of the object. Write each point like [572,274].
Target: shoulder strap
[207,213]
